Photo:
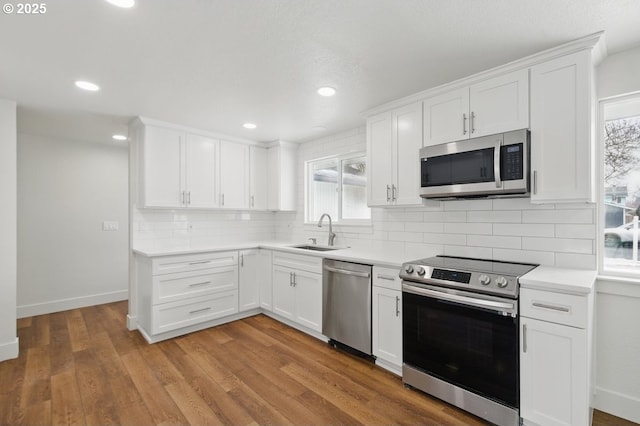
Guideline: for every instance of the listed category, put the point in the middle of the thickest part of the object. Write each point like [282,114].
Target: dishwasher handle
[347,272]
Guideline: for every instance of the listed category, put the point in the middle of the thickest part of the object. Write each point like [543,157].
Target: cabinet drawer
[298,261]
[181,285]
[387,278]
[566,309]
[193,262]
[183,313]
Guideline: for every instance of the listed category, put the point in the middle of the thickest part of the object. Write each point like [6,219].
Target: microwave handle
[496,164]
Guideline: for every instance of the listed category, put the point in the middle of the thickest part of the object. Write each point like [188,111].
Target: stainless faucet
[332,235]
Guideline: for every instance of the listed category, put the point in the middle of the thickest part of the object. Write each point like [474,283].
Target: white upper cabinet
[258,178]
[561,142]
[234,175]
[495,105]
[201,154]
[281,169]
[394,140]
[162,167]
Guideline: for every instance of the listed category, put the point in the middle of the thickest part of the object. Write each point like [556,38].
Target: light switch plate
[109,226]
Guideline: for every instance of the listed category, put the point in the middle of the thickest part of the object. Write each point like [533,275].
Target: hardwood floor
[84,367]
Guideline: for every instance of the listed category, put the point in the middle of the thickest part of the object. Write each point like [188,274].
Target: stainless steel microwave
[496,165]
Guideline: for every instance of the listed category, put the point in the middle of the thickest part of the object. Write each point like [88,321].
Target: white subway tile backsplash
[467,205]
[524,229]
[575,231]
[519,204]
[494,241]
[448,239]
[405,236]
[466,251]
[577,261]
[558,216]
[492,216]
[424,227]
[468,228]
[559,245]
[546,258]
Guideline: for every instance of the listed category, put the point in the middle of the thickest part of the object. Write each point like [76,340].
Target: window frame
[308,177]
[604,271]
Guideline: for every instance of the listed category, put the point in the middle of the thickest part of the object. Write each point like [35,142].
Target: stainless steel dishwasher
[346,304]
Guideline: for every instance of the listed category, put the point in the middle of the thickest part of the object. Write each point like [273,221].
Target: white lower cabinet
[249,290]
[297,289]
[555,358]
[176,292]
[387,318]
[265,280]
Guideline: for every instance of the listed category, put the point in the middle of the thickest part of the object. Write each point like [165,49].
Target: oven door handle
[494,305]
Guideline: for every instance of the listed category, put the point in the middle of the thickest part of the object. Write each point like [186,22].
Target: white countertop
[575,281]
[561,280]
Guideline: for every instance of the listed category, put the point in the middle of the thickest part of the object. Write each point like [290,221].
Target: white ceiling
[215,64]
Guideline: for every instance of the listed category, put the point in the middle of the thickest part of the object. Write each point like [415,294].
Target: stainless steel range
[460,333]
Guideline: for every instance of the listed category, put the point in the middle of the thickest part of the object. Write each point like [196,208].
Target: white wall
[618,301]
[507,229]
[66,189]
[8,254]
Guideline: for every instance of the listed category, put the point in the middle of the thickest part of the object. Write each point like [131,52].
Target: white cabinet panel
[553,373]
[446,117]
[162,182]
[201,165]
[265,279]
[561,143]
[258,178]
[234,175]
[308,299]
[379,159]
[248,285]
[281,169]
[283,293]
[387,325]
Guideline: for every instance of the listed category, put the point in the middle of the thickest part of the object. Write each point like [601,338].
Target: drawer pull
[200,310]
[524,338]
[397,306]
[552,307]
[386,277]
[197,284]
[199,262]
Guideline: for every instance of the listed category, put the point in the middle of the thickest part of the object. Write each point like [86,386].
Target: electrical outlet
[109,226]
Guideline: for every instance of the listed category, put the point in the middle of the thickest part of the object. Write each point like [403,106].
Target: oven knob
[501,282]
[484,279]
[421,271]
[409,269]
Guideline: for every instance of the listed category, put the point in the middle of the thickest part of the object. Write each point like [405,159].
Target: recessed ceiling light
[87,85]
[326,91]
[123,3]
[119,137]
[249,126]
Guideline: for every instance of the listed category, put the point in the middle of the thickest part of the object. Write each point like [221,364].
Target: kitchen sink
[315,248]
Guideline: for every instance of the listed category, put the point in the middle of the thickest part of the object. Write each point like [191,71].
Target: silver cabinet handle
[388,196]
[393,192]
[189,197]
[252,202]
[524,338]
[222,199]
[344,271]
[182,198]
[198,284]
[200,310]
[464,124]
[199,262]
[386,277]
[552,307]
[535,181]
[397,306]
[290,278]
[473,119]
[241,259]
[294,279]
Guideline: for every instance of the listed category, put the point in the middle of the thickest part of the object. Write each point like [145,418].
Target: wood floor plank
[66,402]
[84,367]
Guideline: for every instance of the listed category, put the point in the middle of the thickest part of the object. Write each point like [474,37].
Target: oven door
[465,339]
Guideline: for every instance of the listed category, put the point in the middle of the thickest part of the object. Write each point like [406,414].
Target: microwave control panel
[512,161]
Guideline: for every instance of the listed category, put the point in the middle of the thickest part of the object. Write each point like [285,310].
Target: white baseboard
[72,303]
[132,322]
[618,404]
[9,350]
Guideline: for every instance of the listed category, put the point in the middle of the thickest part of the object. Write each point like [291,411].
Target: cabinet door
[308,299]
[560,130]
[201,165]
[446,117]
[407,141]
[553,374]
[249,290]
[163,168]
[265,279]
[234,175]
[283,292]
[379,159]
[499,104]
[258,178]
[387,325]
